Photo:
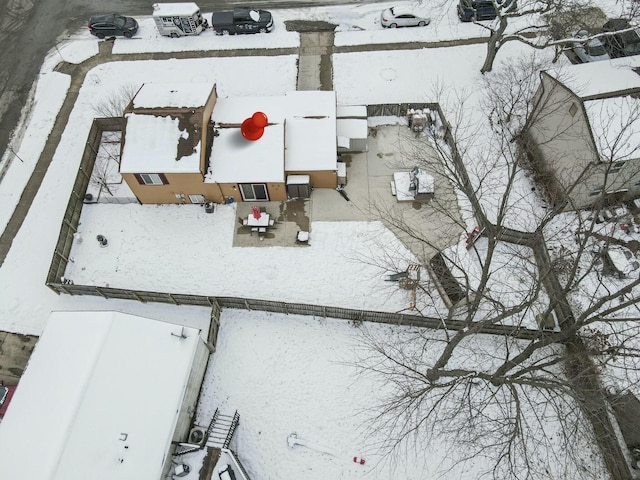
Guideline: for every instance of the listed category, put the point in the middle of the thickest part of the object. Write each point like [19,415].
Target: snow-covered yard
[283,374]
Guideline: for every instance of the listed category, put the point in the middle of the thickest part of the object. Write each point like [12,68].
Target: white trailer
[178,19]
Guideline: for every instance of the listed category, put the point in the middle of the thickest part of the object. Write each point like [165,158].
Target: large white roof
[99,399]
[172,95]
[308,120]
[151,146]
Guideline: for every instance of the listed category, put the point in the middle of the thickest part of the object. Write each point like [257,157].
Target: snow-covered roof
[172,95]
[174,9]
[234,110]
[599,78]
[310,143]
[615,123]
[99,398]
[308,123]
[352,128]
[151,146]
[237,160]
[351,111]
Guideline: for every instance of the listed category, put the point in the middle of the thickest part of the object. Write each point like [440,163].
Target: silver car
[590,50]
[403,17]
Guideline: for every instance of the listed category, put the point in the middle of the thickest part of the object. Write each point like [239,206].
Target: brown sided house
[165,142]
[185,144]
[583,136]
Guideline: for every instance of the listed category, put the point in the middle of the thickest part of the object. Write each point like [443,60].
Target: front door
[254,192]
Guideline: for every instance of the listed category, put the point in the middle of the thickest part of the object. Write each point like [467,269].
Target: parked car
[621,44]
[470,10]
[6,392]
[589,50]
[242,20]
[404,16]
[111,25]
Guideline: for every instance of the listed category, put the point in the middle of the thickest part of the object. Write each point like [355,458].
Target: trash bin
[209,207]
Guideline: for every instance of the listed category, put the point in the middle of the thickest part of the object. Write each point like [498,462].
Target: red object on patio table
[253,127]
[256,213]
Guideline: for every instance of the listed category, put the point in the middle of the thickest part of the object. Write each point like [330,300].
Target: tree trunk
[495,41]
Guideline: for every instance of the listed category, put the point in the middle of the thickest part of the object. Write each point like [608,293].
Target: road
[30,28]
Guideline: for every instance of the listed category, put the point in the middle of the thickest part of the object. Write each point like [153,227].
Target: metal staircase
[221,429]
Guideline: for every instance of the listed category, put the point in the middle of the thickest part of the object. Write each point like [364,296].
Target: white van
[178,19]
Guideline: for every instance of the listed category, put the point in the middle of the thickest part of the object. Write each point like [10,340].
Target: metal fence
[354,315]
[399,109]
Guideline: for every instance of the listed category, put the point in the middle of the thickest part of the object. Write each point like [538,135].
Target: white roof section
[599,78]
[615,123]
[235,159]
[174,9]
[151,146]
[298,179]
[351,111]
[172,95]
[352,128]
[311,144]
[308,122]
[234,110]
[99,399]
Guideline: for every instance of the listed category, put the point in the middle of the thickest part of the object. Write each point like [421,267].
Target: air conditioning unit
[198,436]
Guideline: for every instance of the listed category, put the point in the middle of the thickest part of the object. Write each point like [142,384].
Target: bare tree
[544,24]
[113,105]
[513,379]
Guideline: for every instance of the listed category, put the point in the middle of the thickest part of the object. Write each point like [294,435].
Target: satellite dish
[255,15]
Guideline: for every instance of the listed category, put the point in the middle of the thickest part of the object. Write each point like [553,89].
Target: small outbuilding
[104,396]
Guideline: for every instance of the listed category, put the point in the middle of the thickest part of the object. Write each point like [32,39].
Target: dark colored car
[621,44]
[6,392]
[111,25]
[470,10]
[242,20]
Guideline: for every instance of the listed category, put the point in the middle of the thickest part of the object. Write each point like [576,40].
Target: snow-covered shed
[103,397]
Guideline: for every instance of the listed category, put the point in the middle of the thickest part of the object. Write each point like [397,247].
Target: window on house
[616,167]
[573,109]
[254,191]
[197,198]
[151,179]
[595,192]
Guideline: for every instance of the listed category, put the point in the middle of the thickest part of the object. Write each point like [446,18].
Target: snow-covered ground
[300,375]
[372,77]
[283,373]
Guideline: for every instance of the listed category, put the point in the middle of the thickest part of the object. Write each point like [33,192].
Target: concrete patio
[390,148]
